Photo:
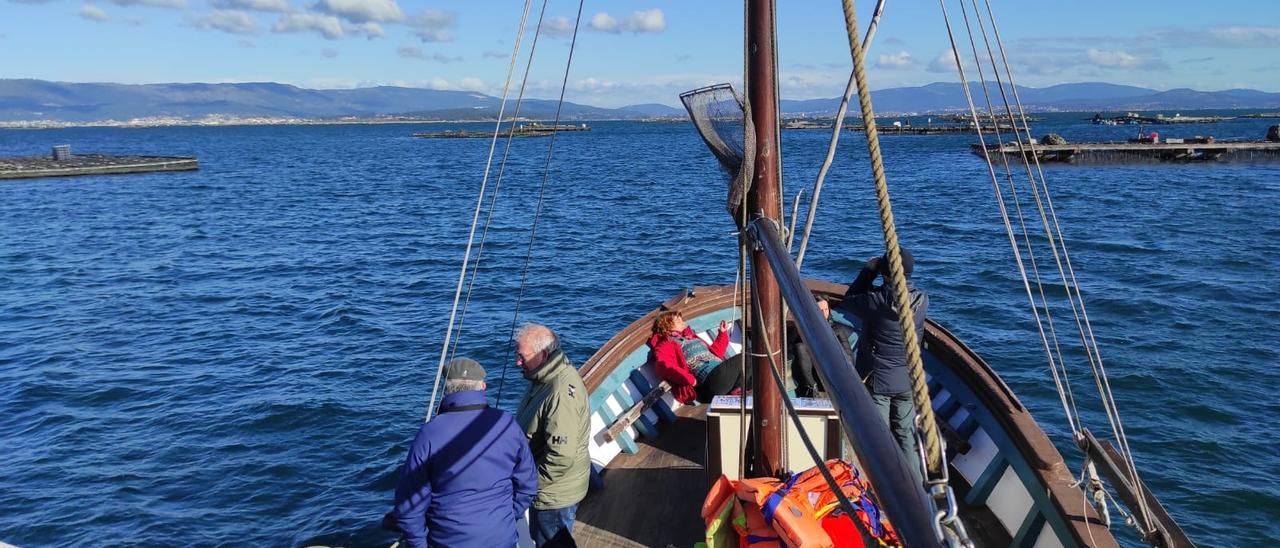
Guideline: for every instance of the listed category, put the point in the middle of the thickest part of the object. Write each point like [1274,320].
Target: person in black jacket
[807,382]
[882,350]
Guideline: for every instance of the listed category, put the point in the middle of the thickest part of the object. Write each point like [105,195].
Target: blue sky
[628,51]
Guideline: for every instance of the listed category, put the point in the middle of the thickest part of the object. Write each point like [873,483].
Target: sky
[627,52]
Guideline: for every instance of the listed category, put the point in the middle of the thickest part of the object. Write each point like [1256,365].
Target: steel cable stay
[506,88]
[1073,416]
[542,191]
[1082,317]
[502,166]
[1067,274]
[1070,286]
[831,145]
[915,365]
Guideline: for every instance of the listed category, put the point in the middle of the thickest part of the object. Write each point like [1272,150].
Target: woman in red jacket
[694,369]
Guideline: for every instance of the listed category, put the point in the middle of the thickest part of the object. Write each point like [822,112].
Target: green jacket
[555,418]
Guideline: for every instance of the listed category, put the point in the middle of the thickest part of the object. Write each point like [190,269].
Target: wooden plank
[631,415]
[1164,531]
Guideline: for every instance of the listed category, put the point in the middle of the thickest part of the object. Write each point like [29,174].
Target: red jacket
[669,363]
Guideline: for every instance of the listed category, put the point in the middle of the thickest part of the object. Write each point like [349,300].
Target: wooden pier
[1116,153]
[90,164]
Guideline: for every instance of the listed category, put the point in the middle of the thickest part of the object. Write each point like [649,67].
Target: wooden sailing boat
[654,458]
[999,481]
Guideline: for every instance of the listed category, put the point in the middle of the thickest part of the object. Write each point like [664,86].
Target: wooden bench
[633,414]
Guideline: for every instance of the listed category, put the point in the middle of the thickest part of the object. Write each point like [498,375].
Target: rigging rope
[457,294]
[1082,317]
[867,538]
[1068,399]
[542,188]
[915,365]
[502,167]
[835,139]
[1054,234]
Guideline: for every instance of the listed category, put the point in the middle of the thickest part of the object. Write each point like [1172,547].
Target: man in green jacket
[555,418]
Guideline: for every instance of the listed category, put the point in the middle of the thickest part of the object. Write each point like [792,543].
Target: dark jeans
[723,379]
[553,528]
[899,410]
[807,382]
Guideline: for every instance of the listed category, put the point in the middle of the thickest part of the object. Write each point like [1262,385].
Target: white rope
[497,186]
[475,218]
[1072,287]
[835,139]
[546,175]
[1065,384]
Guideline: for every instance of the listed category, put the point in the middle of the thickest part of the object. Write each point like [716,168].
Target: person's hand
[873,263]
[724,326]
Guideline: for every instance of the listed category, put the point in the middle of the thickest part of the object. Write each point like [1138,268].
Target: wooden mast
[763,201]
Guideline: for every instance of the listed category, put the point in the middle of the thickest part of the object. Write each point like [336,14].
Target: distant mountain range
[73,102]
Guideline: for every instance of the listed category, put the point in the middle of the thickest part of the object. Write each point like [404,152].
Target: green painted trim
[1029,531]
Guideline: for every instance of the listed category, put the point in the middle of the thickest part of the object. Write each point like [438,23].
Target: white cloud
[900,60]
[1116,59]
[329,53]
[230,21]
[465,84]
[415,52]
[92,13]
[368,30]
[944,62]
[490,54]
[603,22]
[255,5]
[652,21]
[362,11]
[558,26]
[1246,36]
[327,25]
[1120,59]
[434,25]
[152,3]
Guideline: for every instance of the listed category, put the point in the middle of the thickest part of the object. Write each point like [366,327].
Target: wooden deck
[654,497]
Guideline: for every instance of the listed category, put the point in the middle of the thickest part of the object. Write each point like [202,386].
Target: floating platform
[90,164]
[533,129]
[1133,118]
[941,129]
[1114,153]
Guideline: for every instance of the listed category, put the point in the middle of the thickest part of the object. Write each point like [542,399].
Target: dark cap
[463,369]
[908,262]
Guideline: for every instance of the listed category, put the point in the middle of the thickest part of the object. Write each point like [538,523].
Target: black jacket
[881,347]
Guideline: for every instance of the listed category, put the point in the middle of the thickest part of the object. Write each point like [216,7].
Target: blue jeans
[899,411]
[552,527]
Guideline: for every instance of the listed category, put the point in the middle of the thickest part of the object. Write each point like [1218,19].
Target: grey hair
[461,385]
[539,336]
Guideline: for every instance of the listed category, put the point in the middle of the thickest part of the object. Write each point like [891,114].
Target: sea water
[241,354]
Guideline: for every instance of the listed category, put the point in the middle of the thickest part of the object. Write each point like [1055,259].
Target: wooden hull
[1014,486]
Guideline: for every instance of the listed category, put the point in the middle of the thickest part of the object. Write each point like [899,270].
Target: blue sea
[241,354]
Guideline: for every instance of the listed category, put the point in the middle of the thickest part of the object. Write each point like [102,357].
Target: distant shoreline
[228,121]
[233,122]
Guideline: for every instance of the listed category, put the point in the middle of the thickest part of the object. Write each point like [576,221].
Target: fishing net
[725,126]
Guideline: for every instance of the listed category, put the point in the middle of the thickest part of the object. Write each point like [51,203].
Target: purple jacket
[468,476]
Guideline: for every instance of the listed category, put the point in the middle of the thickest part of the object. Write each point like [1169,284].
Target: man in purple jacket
[469,474]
